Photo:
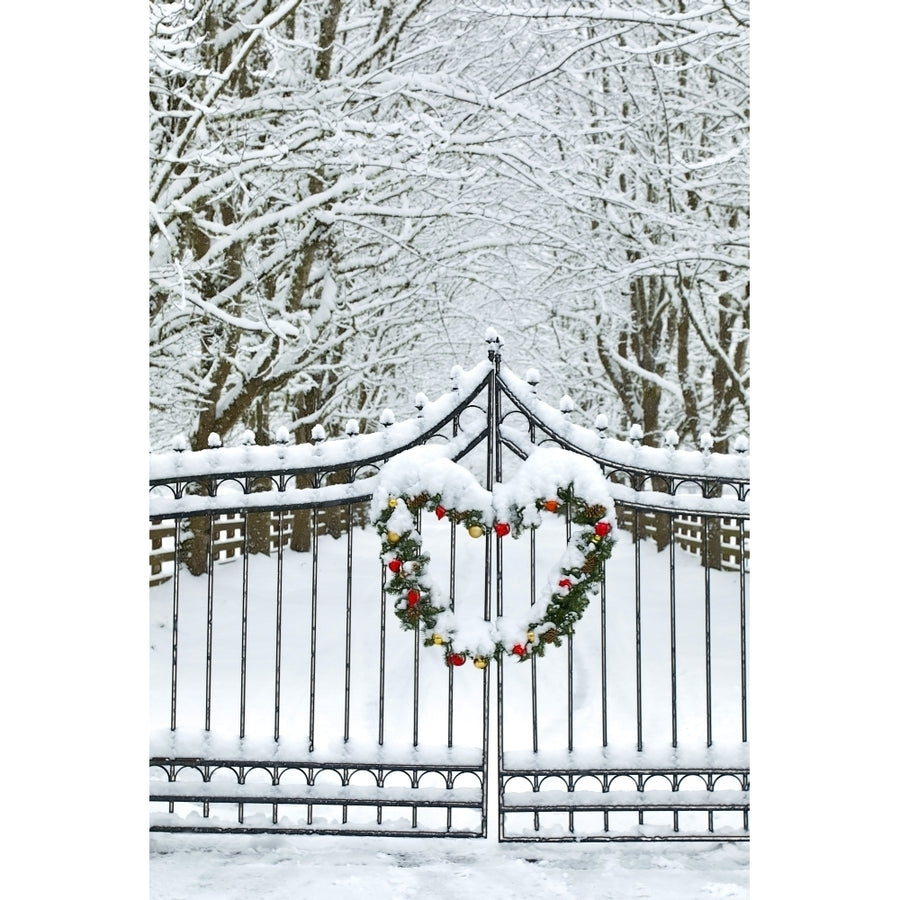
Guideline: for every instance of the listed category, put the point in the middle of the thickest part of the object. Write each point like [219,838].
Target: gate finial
[494,342]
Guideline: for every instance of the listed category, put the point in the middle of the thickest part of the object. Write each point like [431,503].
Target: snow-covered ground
[319,867]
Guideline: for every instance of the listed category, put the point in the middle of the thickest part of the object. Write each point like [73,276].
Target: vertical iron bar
[706,591]
[416,637]
[743,590]
[571,811]
[494,471]
[637,624]
[245,604]
[312,625]
[416,670]
[349,606]
[533,592]
[175,586]
[603,703]
[452,608]
[672,626]
[571,653]
[209,621]
[279,598]
[381,662]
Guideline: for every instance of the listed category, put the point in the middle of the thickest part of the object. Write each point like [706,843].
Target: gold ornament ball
[393,537]
[437,639]
[392,502]
[480,662]
[596,538]
[475,531]
[530,637]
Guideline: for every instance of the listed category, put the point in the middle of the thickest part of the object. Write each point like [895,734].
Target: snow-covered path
[319,867]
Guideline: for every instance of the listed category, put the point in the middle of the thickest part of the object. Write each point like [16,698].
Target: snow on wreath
[422,479]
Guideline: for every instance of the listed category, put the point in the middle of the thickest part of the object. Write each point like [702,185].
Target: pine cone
[550,636]
[590,563]
[596,511]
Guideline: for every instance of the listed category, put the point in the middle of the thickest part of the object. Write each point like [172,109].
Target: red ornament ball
[395,565]
[456,659]
[502,529]
[603,528]
[440,512]
[519,650]
[551,505]
[412,598]
[565,583]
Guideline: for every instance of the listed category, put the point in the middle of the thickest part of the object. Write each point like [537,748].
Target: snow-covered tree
[344,192]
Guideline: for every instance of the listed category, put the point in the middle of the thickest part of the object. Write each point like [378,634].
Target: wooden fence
[228,536]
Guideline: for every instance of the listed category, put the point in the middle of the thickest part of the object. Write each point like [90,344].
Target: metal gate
[284,698]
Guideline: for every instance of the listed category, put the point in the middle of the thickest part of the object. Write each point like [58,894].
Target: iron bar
[637,626]
[671,531]
[532,583]
[603,697]
[382,659]
[209,626]
[314,598]
[452,604]
[349,604]
[707,618]
[743,593]
[279,599]
[245,605]
[174,662]
[570,685]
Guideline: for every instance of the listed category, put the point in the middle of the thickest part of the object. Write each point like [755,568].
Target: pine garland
[414,605]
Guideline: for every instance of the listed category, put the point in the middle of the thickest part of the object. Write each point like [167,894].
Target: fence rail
[228,535]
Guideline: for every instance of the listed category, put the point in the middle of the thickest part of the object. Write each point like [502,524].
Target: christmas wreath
[551,480]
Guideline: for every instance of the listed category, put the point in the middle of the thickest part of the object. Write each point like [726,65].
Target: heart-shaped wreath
[549,480]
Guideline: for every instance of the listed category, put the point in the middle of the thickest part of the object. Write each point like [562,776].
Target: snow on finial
[387,418]
[420,402]
[706,443]
[282,435]
[741,444]
[491,337]
[601,423]
[248,438]
[455,372]
[318,434]
[636,435]
[214,441]
[533,377]
[351,429]
[671,439]
[179,443]
[566,404]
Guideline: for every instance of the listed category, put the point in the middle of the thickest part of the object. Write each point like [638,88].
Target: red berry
[502,529]
[456,659]
[565,583]
[412,598]
[440,512]
[603,528]
[519,650]
[395,565]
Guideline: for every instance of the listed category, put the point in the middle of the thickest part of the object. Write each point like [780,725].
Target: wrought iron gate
[285,699]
